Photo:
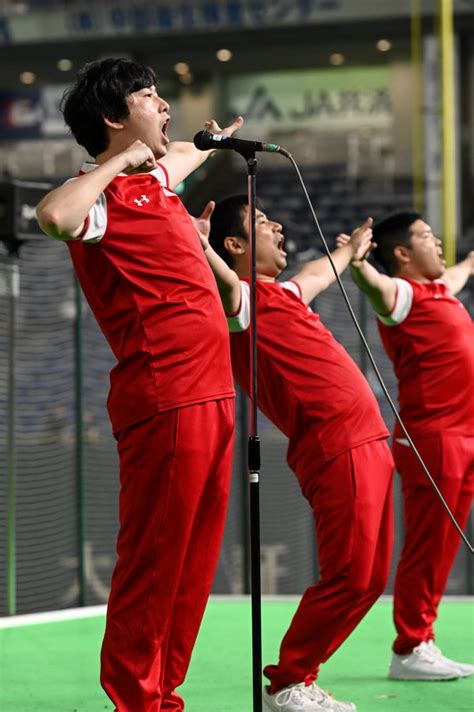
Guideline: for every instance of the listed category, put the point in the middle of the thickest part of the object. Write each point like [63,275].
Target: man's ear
[235,245]
[402,254]
[113,124]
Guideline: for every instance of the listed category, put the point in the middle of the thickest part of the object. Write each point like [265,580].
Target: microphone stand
[253,452]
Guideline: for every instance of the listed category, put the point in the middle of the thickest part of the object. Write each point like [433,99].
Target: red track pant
[175,476]
[431,540]
[351,499]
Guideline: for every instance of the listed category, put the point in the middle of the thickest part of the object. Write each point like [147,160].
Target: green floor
[53,667]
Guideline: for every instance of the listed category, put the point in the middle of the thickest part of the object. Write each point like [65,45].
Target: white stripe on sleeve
[292,287]
[160,175]
[402,306]
[97,221]
[241,320]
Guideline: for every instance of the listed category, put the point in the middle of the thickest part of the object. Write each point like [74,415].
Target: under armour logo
[141,201]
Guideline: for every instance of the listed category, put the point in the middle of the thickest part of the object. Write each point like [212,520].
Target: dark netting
[289,561]
[4,340]
[232,570]
[44,432]
[101,473]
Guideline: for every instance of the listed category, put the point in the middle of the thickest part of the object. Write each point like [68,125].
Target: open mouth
[279,244]
[164,130]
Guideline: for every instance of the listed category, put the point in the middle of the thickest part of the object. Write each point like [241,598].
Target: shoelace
[424,651]
[318,694]
[301,694]
[434,650]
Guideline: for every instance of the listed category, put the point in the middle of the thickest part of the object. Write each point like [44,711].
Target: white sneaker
[422,664]
[299,697]
[464,668]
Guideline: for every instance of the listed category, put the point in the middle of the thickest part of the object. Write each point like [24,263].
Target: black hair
[100,91]
[389,233]
[227,220]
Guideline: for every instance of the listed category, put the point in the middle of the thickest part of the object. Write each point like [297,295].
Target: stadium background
[338,84]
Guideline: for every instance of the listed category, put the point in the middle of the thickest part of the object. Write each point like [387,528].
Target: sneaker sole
[465,673]
[407,678]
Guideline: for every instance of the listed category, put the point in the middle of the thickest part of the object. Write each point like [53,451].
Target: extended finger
[212,126]
[234,126]
[208,210]
[366,225]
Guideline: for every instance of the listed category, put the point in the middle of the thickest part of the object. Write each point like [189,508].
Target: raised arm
[380,288]
[62,212]
[182,157]
[227,280]
[318,275]
[457,276]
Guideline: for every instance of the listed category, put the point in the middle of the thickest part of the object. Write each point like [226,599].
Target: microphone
[205,140]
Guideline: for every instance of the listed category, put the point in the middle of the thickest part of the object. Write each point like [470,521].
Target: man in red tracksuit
[429,337]
[137,254]
[310,388]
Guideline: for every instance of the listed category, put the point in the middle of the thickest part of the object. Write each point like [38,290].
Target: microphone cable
[371,357]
